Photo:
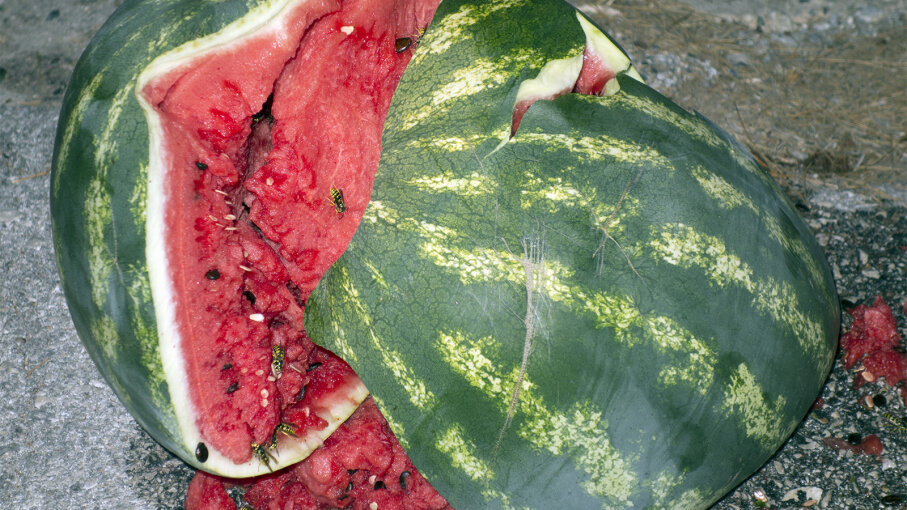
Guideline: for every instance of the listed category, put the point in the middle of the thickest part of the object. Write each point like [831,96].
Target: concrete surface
[65,441]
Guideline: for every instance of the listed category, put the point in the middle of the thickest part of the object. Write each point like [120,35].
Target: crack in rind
[534,265]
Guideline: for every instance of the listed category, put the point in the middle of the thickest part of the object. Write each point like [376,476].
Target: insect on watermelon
[337,200]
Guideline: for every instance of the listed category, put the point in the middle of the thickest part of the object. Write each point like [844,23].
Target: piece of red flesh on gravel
[873,338]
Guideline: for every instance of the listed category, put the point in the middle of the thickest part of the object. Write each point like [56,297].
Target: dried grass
[828,109]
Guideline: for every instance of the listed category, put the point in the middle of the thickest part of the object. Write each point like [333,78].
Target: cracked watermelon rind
[616,308]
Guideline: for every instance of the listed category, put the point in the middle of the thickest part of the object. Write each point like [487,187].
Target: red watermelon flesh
[360,465]
[259,141]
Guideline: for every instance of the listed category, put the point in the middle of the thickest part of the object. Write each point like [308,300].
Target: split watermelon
[559,287]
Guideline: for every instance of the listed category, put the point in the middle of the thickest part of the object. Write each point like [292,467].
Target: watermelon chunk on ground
[873,338]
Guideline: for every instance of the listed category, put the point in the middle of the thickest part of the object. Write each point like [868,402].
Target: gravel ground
[753,67]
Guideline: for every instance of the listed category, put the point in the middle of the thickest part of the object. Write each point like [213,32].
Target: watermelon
[558,286]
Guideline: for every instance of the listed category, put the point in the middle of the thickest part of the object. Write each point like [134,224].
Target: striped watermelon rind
[616,308]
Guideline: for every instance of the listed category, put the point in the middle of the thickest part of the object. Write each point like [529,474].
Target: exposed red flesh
[360,464]
[594,74]
[873,338]
[250,223]
[870,445]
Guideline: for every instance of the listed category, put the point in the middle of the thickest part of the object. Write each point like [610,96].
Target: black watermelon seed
[893,499]
[402,44]
[200,165]
[380,485]
[879,400]
[854,438]
[228,366]
[349,486]
[301,394]
[313,366]
[403,476]
[201,452]
[248,295]
[213,274]
[233,387]
[351,471]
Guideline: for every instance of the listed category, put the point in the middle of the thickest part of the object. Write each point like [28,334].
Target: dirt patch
[816,92]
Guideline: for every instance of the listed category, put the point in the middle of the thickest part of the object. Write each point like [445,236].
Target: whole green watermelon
[565,290]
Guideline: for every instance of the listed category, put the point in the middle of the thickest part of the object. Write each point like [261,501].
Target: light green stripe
[745,401]
[682,246]
[618,313]
[107,142]
[98,219]
[663,487]
[138,201]
[417,390]
[475,184]
[448,143]
[73,125]
[581,433]
[462,454]
[597,149]
[452,28]
[479,76]
[689,124]
[730,198]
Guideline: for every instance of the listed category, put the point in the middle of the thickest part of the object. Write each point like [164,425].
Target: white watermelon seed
[264,393]
[264,402]
[257,317]
[259,372]
[269,181]
[222,192]
[245,268]
[373,506]
[347,29]
[229,217]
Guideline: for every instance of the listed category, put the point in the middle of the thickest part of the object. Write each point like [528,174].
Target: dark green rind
[664,443]
[97,200]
